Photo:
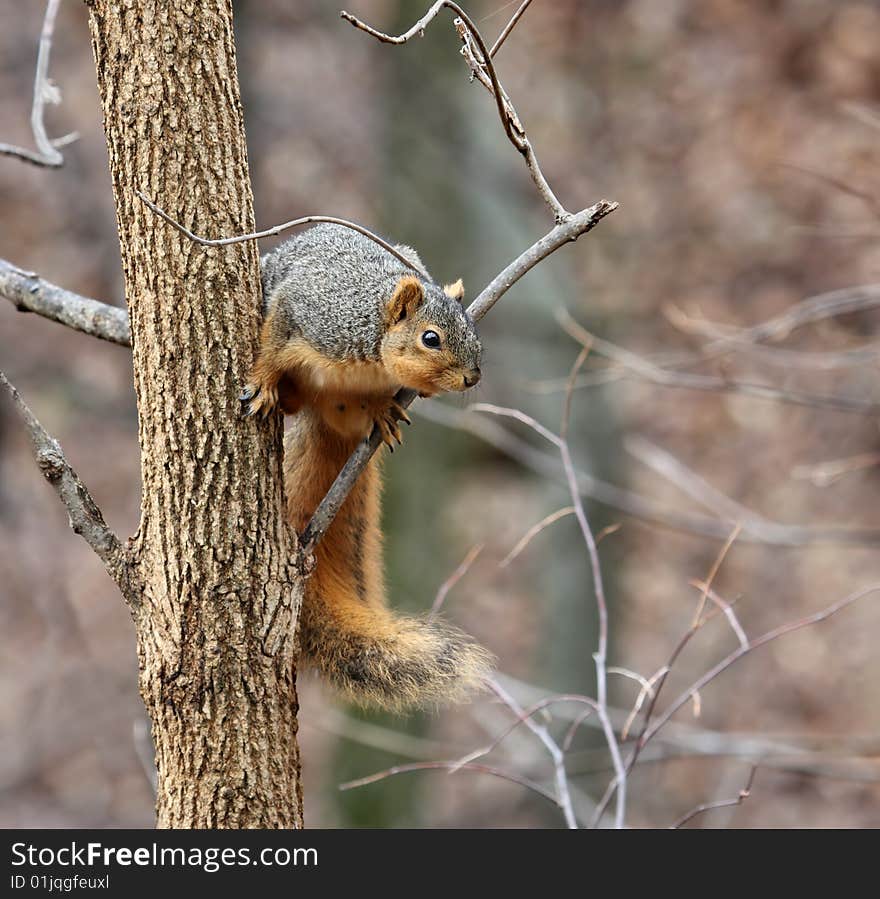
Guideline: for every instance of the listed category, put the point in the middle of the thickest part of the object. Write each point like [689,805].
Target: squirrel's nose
[472,377]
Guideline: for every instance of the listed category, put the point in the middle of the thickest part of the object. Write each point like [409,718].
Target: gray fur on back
[335,282]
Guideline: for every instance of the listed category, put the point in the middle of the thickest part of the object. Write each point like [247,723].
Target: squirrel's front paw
[386,422]
[256,400]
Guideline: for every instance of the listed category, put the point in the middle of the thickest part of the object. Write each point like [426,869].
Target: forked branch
[47,154]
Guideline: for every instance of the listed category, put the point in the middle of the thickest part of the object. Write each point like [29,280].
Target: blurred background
[742,140]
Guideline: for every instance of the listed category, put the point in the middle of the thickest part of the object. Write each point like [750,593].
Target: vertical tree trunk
[217,562]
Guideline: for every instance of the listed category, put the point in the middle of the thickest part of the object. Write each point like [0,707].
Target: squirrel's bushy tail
[396,662]
[346,629]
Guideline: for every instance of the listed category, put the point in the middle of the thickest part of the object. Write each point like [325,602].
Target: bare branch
[563,794]
[454,578]
[642,507]
[419,30]
[726,609]
[479,59]
[824,474]
[44,92]
[665,377]
[30,293]
[560,235]
[84,515]
[600,656]
[451,767]
[572,730]
[646,690]
[716,567]
[737,340]
[761,529]
[533,531]
[683,739]
[737,654]
[632,675]
[523,716]
[809,311]
[744,793]
[508,28]
[650,730]
[276,229]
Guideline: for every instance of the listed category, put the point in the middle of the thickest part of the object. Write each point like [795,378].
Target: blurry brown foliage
[741,140]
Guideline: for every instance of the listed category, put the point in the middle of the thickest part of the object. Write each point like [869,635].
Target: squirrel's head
[430,344]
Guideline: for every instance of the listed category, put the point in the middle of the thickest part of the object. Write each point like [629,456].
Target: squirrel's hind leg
[353,418]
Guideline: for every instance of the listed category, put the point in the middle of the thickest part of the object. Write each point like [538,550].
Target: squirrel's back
[338,280]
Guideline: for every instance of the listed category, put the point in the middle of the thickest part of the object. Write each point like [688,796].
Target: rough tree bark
[217,567]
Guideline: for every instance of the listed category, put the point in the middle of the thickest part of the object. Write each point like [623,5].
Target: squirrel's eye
[431,339]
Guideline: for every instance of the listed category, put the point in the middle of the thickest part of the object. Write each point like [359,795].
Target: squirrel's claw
[387,420]
[390,432]
[255,400]
[399,412]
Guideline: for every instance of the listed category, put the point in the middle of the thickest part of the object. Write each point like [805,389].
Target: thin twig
[650,730]
[47,154]
[761,529]
[572,730]
[454,578]
[572,379]
[276,229]
[451,767]
[665,377]
[809,311]
[744,793]
[418,30]
[632,675]
[726,338]
[634,504]
[713,571]
[824,474]
[479,60]
[647,690]
[30,293]
[563,794]
[737,654]
[600,655]
[84,515]
[533,531]
[508,28]
[726,609]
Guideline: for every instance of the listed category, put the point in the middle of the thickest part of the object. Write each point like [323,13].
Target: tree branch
[743,794]
[30,293]
[508,28]
[479,60]
[84,515]
[44,92]
[275,229]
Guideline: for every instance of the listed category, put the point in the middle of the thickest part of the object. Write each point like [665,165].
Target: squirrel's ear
[407,297]
[454,291]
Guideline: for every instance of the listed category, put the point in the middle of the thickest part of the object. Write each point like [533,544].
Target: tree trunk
[221,587]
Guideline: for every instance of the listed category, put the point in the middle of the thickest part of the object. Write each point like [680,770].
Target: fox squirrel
[346,325]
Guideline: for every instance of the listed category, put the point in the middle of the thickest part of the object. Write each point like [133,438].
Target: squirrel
[346,324]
